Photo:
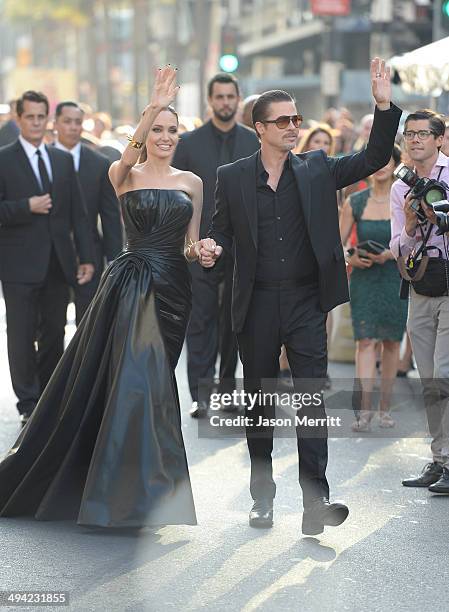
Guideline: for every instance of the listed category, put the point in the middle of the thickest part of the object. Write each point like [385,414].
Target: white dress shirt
[75,152]
[30,151]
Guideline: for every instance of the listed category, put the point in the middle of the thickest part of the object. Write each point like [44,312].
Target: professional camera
[441,210]
[429,191]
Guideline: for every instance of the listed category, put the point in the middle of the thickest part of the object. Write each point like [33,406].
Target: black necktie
[224,155]
[45,181]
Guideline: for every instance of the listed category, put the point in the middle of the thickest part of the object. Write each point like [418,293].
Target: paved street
[392,552]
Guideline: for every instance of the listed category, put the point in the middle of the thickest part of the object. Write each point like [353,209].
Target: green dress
[376,309]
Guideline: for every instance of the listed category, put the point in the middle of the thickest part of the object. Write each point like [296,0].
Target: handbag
[431,277]
[428,276]
[367,246]
[370,246]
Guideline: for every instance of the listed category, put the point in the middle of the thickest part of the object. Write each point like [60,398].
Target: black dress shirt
[284,249]
[225,145]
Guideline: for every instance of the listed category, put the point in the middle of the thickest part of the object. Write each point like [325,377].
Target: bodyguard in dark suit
[99,196]
[41,208]
[280,210]
[219,141]
[10,130]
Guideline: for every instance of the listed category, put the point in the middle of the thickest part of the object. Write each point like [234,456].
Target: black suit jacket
[26,238]
[100,199]
[8,133]
[318,177]
[197,151]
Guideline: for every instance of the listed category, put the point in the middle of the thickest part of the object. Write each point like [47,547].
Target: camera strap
[406,266]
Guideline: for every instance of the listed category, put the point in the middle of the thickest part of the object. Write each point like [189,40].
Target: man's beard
[225,118]
[288,146]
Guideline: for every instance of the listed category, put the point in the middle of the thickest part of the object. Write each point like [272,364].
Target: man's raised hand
[381,83]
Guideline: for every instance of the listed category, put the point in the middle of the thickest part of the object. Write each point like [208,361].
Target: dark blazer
[26,238]
[197,151]
[9,133]
[318,178]
[100,199]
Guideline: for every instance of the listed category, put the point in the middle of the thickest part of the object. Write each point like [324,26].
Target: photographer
[428,316]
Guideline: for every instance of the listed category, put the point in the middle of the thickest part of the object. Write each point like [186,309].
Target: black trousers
[210,327]
[291,317]
[85,293]
[35,319]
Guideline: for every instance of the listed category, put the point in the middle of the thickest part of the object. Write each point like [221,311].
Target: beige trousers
[428,328]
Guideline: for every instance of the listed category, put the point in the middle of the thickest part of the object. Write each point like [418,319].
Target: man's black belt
[309,279]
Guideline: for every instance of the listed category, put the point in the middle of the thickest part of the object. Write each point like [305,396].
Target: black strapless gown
[104,444]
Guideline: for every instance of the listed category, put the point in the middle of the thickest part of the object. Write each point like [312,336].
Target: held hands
[380,83]
[40,205]
[207,251]
[85,273]
[165,88]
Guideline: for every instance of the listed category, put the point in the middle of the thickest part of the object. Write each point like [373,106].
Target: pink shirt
[398,234]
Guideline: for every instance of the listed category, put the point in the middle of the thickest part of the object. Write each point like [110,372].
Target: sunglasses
[283,121]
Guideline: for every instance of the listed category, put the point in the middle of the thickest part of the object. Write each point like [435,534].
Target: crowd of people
[241,198]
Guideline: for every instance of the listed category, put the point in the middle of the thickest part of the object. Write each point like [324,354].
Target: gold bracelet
[134,143]
[189,246]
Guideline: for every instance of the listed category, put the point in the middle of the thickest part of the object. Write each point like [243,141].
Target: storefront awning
[424,70]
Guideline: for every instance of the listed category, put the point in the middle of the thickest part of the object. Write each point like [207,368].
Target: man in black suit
[99,196]
[281,212]
[219,141]
[41,206]
[10,130]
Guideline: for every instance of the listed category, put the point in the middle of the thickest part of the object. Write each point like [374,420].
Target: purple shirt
[398,234]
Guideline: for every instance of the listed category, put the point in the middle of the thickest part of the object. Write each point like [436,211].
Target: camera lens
[435,194]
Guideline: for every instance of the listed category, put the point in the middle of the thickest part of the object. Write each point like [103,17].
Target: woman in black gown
[104,444]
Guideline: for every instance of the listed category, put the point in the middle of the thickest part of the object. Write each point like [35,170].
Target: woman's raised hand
[165,87]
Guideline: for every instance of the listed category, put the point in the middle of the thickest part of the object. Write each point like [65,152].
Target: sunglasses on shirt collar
[283,121]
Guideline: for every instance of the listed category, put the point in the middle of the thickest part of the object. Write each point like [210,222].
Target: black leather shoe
[261,514]
[430,474]
[199,410]
[442,485]
[320,513]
